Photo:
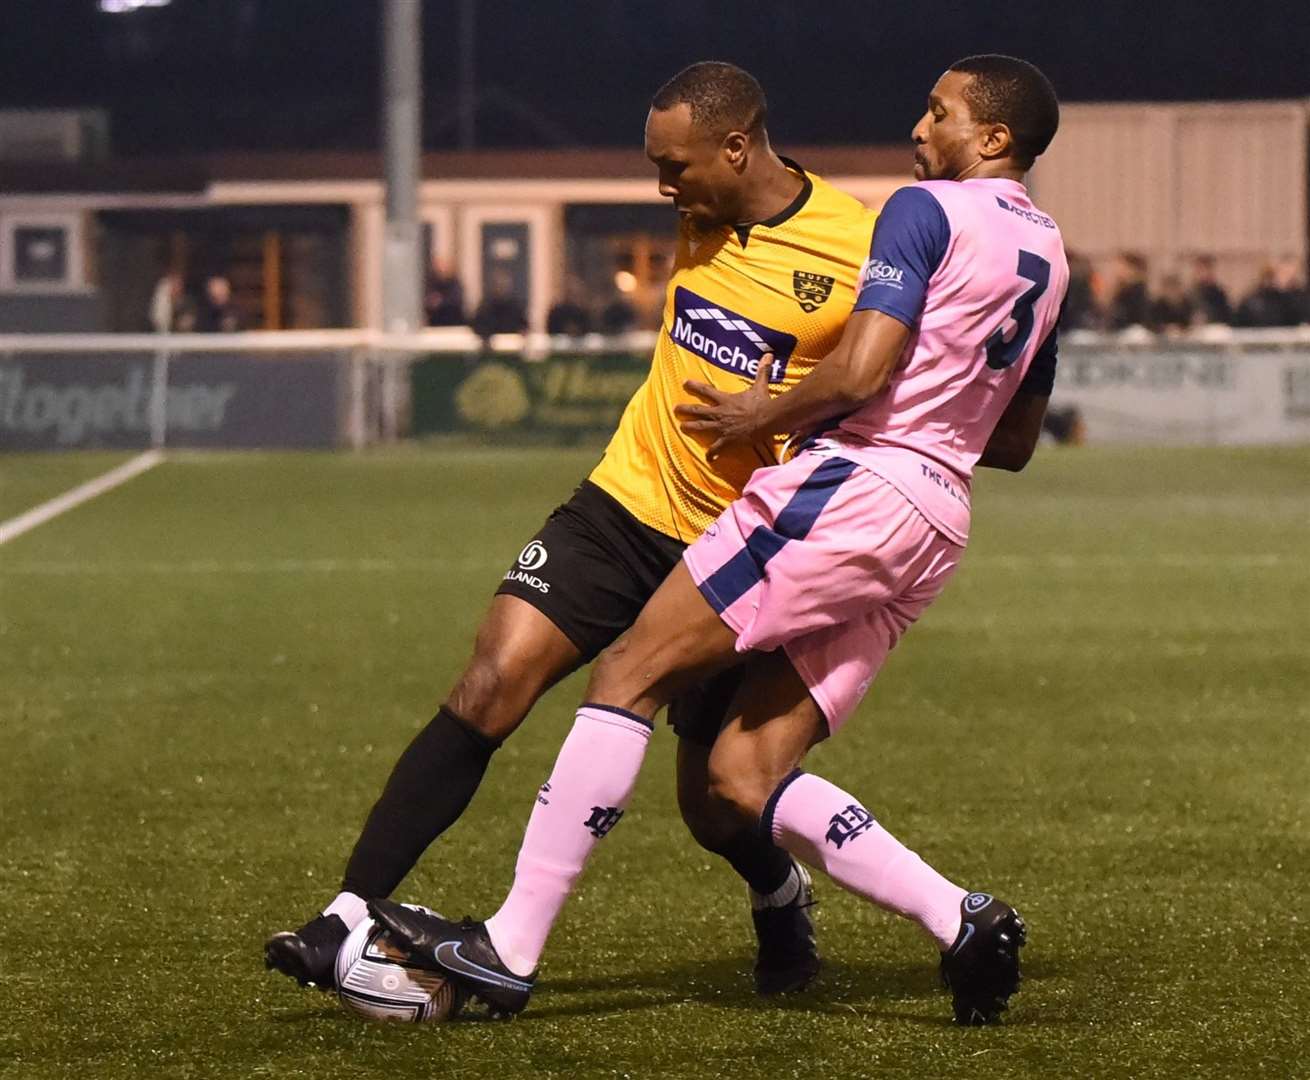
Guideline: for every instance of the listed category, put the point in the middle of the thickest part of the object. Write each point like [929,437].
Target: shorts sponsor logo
[727,340]
[878,272]
[530,580]
[533,557]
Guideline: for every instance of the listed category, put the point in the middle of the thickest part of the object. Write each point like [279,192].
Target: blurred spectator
[443,296]
[1210,303]
[1171,310]
[1292,289]
[217,314]
[1278,299]
[1065,426]
[1081,310]
[1263,305]
[1131,304]
[501,312]
[617,317]
[170,307]
[569,317]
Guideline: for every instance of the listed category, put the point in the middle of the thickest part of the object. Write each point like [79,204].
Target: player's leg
[677,641]
[597,767]
[779,889]
[576,585]
[518,654]
[755,779]
[685,634]
[755,776]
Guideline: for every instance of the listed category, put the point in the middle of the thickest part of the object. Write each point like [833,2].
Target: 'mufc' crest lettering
[603,818]
[811,289]
[727,340]
[848,824]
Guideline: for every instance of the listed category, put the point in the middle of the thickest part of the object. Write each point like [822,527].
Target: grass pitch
[206,675]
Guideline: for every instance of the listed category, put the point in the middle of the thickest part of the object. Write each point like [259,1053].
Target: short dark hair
[1007,90]
[722,97]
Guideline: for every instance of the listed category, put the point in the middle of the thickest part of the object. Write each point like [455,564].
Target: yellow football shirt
[786,285]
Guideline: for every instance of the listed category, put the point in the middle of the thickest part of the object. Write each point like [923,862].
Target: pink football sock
[826,827]
[584,798]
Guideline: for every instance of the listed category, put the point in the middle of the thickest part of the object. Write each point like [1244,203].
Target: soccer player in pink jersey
[814,574]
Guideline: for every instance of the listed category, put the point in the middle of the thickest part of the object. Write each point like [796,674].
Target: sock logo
[848,824]
[603,818]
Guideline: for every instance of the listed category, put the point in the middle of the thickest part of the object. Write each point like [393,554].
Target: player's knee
[490,697]
[737,793]
[710,823]
[611,680]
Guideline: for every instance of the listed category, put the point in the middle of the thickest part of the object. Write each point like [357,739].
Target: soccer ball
[377,979]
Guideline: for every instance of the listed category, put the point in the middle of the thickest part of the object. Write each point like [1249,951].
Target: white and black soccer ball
[378,980]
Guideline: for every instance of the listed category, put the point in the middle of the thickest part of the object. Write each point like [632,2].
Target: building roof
[191,175]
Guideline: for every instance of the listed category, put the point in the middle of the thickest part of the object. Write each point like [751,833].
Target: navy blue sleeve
[909,243]
[1039,379]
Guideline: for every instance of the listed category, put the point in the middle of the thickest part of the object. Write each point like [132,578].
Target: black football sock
[764,866]
[428,789]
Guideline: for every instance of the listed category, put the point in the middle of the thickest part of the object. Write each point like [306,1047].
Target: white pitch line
[39,515]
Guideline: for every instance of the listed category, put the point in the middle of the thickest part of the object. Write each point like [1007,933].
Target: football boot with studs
[462,951]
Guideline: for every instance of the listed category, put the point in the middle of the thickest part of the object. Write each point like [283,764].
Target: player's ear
[733,148]
[996,141]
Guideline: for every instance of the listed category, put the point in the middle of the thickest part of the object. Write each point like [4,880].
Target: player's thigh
[772,723]
[677,641]
[576,585]
[518,654]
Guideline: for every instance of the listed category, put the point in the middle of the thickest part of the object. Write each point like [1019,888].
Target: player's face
[694,169]
[946,137]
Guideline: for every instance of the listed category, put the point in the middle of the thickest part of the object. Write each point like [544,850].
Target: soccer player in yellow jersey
[768,258]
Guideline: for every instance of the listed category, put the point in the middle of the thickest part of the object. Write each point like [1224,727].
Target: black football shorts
[590,570]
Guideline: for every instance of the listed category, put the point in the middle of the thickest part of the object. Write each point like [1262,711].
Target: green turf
[206,674]
[26,480]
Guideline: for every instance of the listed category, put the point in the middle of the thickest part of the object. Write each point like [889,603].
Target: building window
[41,253]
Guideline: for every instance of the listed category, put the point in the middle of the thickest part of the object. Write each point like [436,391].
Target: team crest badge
[811,289]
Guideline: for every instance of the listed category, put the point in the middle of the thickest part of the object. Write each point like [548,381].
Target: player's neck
[993,170]
[770,190]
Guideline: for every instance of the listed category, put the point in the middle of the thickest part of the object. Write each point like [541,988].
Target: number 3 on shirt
[1001,353]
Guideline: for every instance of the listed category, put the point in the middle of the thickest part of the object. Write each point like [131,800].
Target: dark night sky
[288,74]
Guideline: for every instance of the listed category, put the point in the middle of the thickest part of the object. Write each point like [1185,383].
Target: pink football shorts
[826,559]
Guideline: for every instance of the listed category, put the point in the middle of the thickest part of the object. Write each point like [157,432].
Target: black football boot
[981,968]
[461,951]
[308,955]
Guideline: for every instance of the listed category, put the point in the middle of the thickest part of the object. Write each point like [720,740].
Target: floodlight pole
[404,266]
[402,87]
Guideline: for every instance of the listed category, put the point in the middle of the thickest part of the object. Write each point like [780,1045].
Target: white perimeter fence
[351,388]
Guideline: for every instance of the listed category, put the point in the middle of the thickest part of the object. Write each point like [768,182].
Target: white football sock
[349,908]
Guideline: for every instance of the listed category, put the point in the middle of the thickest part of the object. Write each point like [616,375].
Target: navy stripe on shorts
[731,581]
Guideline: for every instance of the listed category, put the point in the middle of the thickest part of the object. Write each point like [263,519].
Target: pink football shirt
[979,275]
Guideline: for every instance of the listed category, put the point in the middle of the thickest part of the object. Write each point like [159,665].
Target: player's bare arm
[1015,438]
[853,373]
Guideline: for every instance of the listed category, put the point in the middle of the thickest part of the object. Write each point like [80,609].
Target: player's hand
[731,417]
